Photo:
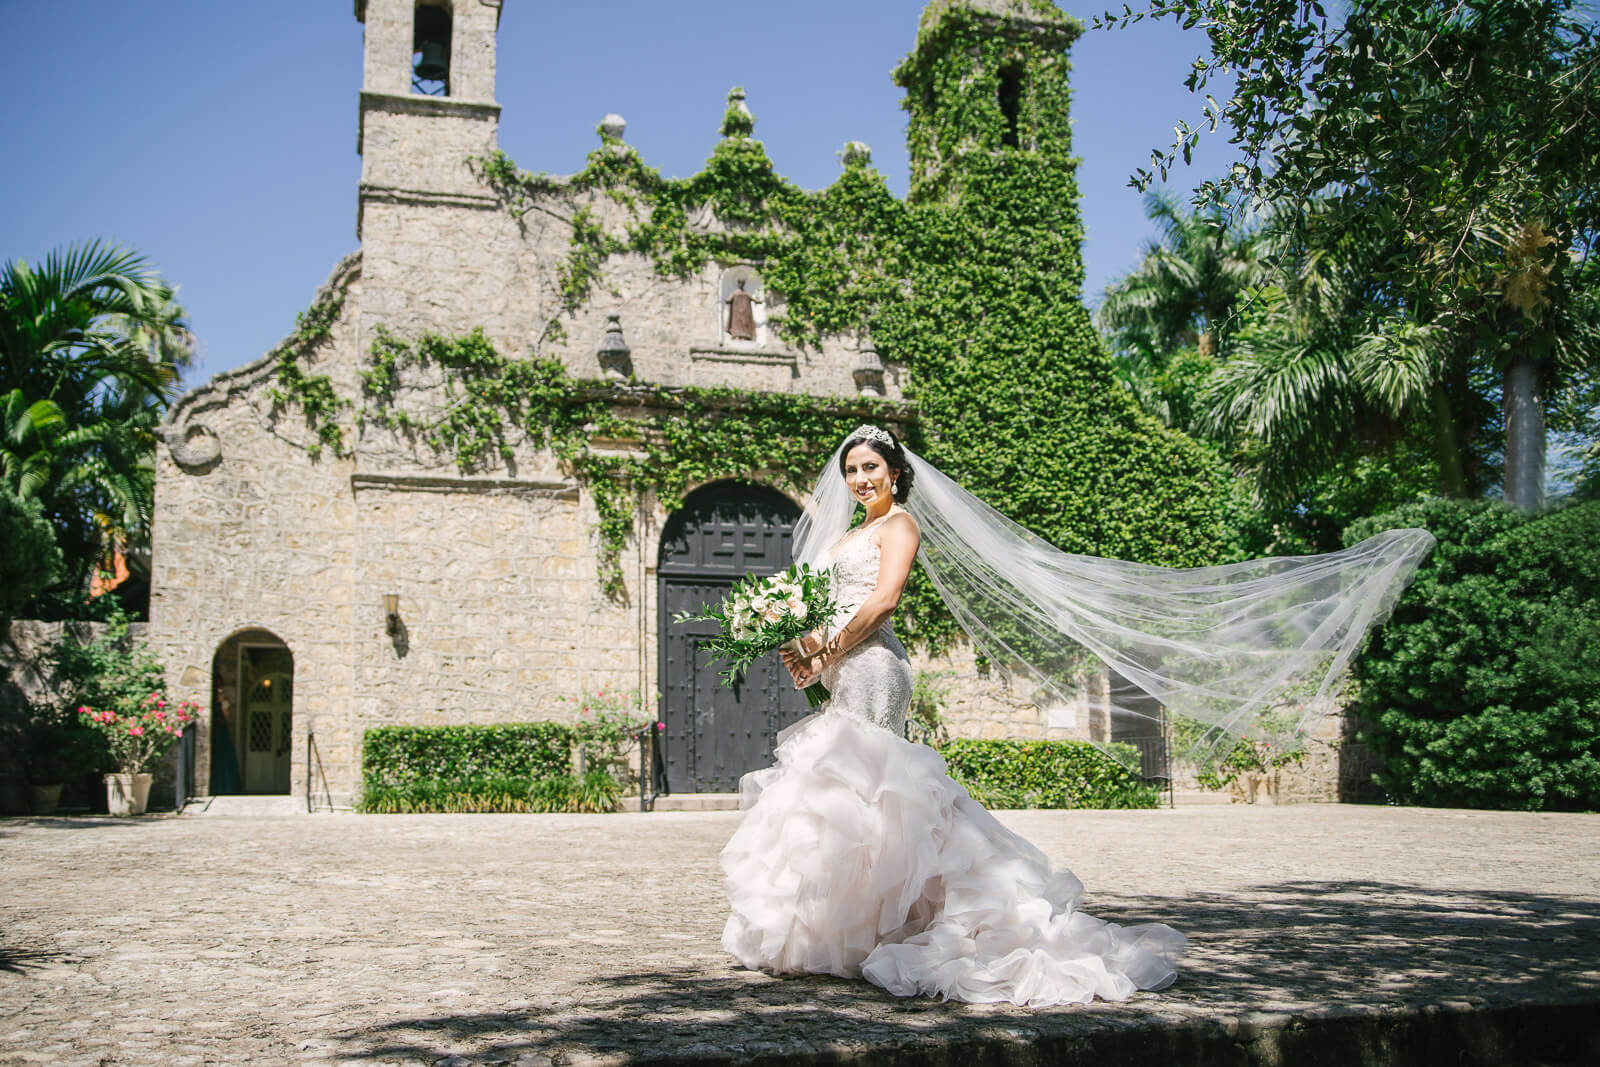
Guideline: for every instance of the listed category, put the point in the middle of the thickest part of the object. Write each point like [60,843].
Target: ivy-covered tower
[985,76]
[1015,390]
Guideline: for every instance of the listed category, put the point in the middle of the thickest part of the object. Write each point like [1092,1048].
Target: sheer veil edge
[1252,649]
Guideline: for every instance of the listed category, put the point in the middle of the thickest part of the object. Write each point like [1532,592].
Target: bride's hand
[803,669]
[812,643]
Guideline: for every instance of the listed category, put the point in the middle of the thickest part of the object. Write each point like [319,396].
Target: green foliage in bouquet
[1483,690]
[1045,774]
[764,613]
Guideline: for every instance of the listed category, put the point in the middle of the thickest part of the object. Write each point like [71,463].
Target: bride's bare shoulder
[899,523]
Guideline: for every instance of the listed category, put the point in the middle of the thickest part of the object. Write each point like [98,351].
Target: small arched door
[714,734]
[251,737]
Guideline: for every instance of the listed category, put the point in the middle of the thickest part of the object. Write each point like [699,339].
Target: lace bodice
[855,561]
[872,681]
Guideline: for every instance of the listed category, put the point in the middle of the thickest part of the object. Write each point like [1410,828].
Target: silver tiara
[871,433]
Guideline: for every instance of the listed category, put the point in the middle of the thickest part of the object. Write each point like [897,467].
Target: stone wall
[452,267]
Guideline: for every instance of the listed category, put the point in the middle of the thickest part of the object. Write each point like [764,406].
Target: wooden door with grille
[715,734]
[269,729]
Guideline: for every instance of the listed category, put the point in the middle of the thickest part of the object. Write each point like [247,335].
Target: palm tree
[25,431]
[1182,294]
[1187,283]
[91,343]
[91,314]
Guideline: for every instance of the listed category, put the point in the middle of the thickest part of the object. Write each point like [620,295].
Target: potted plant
[137,733]
[45,759]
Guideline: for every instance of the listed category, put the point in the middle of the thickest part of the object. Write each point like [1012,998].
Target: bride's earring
[894,487]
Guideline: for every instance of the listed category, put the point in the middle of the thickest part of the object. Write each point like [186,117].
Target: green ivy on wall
[676,439]
[972,284]
[313,394]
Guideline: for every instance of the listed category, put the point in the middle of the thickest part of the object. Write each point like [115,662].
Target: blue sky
[219,138]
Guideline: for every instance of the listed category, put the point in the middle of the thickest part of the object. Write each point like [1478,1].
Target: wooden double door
[715,734]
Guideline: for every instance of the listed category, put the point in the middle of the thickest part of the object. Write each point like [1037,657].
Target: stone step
[697,802]
[1188,798]
[251,806]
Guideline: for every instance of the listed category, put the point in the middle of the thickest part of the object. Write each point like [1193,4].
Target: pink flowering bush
[605,728]
[138,732]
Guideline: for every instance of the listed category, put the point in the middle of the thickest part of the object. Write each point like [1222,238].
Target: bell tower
[986,85]
[427,100]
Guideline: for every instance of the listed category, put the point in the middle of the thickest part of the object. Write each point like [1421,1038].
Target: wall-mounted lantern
[391,613]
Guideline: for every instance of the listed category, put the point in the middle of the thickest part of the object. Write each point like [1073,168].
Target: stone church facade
[303,594]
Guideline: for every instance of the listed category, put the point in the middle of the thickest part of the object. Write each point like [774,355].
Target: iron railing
[314,765]
[183,784]
[652,766]
[1155,760]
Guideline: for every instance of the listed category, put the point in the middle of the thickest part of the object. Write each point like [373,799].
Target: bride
[858,856]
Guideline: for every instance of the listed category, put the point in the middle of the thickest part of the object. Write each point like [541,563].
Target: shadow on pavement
[17,961]
[1370,948]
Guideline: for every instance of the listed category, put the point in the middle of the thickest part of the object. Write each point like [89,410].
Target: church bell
[430,42]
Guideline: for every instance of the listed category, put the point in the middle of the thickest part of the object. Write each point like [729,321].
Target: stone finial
[612,127]
[616,360]
[737,120]
[856,154]
[868,372]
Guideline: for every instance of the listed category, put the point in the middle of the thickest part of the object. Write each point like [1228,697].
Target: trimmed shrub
[596,791]
[1045,774]
[1483,690]
[402,755]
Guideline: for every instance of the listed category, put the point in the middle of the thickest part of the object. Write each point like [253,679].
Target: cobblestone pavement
[575,939]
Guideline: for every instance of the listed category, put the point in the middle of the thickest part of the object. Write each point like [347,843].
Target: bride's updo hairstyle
[887,445]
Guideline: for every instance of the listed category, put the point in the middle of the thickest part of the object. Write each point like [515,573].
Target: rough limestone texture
[1319,934]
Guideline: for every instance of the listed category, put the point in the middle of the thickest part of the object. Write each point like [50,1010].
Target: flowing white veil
[1248,649]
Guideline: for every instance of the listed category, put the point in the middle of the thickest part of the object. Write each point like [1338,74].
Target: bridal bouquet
[761,614]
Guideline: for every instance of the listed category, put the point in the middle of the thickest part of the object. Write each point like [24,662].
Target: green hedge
[595,791]
[1483,690]
[1045,774]
[404,755]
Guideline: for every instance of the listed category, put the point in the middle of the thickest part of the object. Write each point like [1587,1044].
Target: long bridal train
[859,856]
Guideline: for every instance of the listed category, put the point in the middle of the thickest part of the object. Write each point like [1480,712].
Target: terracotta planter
[44,799]
[127,794]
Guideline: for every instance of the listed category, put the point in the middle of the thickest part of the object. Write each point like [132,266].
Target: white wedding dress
[858,856]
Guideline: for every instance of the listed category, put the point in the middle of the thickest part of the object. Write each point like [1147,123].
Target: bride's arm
[897,546]
[897,551]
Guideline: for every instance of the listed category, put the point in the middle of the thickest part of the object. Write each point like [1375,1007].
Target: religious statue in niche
[742,313]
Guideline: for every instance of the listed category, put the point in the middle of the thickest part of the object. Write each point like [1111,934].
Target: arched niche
[742,306]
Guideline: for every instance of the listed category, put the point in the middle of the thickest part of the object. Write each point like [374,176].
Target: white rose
[772,612]
[759,604]
[797,607]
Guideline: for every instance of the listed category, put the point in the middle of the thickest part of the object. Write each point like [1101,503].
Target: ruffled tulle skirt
[858,856]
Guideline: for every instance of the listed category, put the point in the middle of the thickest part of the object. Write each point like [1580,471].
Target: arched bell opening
[252,714]
[1010,98]
[714,734]
[430,49]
